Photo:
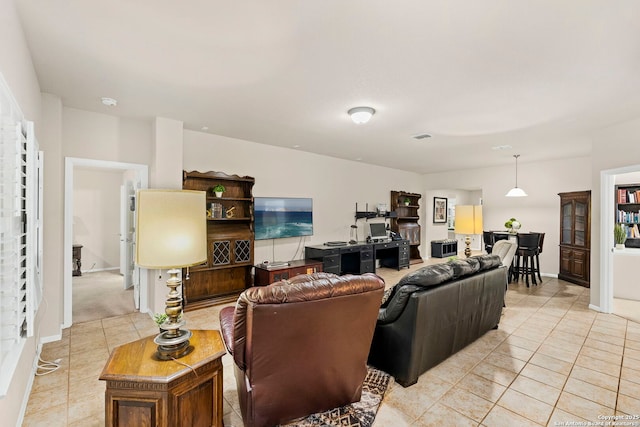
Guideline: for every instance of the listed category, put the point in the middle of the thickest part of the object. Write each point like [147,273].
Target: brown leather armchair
[300,346]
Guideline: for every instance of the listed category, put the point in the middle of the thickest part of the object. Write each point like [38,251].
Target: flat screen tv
[280,217]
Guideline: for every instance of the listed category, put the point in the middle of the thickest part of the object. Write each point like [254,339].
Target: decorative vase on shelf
[218,190]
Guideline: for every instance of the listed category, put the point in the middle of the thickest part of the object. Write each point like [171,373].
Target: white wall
[334,184]
[628,178]
[99,136]
[96,217]
[440,231]
[17,69]
[68,132]
[15,63]
[613,147]
[540,211]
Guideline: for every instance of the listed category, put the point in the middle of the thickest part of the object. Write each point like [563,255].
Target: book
[622,195]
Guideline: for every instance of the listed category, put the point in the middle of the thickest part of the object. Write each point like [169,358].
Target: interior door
[128,268]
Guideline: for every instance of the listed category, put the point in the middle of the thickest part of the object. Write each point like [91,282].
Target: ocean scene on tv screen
[277,218]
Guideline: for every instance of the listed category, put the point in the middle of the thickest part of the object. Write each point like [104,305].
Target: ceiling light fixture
[361,115]
[109,102]
[516,191]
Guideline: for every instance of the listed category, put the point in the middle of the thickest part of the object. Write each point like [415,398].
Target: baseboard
[29,387]
[595,307]
[96,270]
[34,369]
[51,338]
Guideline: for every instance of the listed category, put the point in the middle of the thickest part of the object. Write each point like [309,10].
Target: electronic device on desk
[275,264]
[378,232]
[395,236]
[335,243]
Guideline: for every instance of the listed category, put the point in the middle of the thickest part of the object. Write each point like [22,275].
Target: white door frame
[607,207]
[70,163]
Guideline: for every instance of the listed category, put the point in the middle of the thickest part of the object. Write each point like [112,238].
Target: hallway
[100,295]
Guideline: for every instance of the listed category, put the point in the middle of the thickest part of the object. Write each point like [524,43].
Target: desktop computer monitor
[377,231]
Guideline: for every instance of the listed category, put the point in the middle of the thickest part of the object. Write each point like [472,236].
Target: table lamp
[468,221]
[171,233]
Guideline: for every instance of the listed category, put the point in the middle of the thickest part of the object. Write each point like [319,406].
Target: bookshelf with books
[628,212]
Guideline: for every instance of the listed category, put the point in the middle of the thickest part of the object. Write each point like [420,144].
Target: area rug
[358,414]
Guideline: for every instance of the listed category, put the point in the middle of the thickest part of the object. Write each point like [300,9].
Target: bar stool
[499,236]
[538,252]
[487,237]
[527,248]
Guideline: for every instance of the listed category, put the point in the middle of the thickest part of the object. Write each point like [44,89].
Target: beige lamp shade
[468,219]
[171,228]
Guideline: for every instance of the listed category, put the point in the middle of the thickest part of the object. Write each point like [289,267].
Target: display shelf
[628,212]
[367,214]
[230,241]
[405,223]
[575,237]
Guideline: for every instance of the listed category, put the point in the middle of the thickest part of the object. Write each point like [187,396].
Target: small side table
[265,276]
[77,260]
[182,392]
[444,248]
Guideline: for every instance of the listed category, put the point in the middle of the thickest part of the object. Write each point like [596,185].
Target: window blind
[20,234]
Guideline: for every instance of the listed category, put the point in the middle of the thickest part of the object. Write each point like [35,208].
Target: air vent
[502,147]
[422,136]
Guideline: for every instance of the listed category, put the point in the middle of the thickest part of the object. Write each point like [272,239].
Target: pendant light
[516,191]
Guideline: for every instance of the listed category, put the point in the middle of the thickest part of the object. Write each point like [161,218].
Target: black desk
[359,258]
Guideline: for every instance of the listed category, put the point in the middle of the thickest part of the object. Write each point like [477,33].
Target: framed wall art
[439,210]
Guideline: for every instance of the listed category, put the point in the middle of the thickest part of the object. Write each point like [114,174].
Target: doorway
[134,176]
[608,303]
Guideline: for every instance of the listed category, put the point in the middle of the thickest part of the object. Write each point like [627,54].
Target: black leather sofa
[435,311]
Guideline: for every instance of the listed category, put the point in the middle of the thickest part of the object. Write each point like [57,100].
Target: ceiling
[537,75]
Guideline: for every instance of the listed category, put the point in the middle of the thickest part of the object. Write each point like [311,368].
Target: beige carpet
[627,309]
[100,295]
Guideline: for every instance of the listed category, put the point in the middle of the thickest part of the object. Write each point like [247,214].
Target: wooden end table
[183,392]
[265,276]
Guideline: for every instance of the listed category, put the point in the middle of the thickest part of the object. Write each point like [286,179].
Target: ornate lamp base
[173,347]
[467,249]
[173,343]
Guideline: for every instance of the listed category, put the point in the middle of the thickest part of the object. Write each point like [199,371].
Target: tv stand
[266,274]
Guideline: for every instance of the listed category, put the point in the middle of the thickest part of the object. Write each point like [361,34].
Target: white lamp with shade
[468,222]
[171,233]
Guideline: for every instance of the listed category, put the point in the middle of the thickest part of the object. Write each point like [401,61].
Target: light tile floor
[551,361]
